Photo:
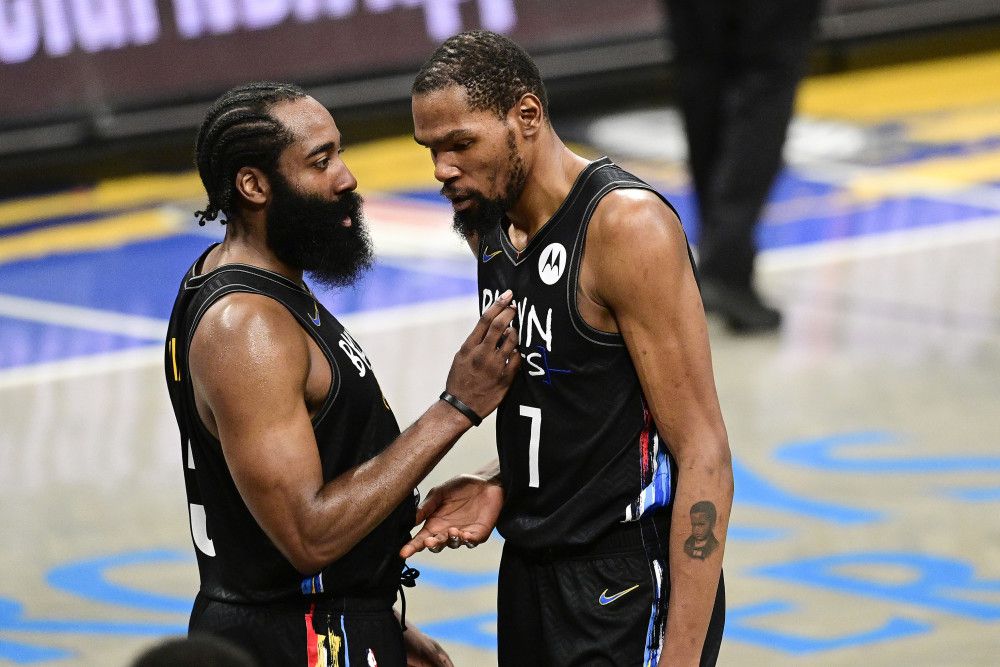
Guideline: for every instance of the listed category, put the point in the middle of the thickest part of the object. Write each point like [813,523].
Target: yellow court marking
[883,93]
[397,163]
[111,231]
[962,125]
[389,164]
[938,175]
[108,195]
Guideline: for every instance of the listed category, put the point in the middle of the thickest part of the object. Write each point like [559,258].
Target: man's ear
[528,114]
[253,186]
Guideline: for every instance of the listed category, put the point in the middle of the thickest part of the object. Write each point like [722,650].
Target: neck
[550,177]
[246,243]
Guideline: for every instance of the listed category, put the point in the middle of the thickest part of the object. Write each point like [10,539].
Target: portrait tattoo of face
[307,231]
[702,542]
[489,211]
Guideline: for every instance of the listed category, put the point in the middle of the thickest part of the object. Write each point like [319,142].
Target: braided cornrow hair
[494,71]
[238,132]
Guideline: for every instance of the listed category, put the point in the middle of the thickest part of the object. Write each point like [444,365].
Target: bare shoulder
[630,222]
[248,333]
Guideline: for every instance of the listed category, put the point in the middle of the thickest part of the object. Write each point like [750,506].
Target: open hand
[462,511]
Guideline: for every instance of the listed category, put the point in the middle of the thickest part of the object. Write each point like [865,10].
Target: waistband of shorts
[340,604]
[624,537]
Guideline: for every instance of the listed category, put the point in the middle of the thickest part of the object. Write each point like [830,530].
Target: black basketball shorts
[329,633]
[602,605]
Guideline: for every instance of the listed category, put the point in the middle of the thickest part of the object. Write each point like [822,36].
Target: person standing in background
[738,66]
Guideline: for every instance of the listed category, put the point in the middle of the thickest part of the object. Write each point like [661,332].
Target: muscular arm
[250,364]
[636,270]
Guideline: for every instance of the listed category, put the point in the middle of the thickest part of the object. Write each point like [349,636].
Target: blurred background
[864,431]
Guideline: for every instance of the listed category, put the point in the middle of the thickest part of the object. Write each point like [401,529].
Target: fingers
[415,545]
[500,327]
[435,543]
[508,346]
[483,325]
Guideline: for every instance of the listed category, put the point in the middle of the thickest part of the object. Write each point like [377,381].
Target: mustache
[451,193]
[349,203]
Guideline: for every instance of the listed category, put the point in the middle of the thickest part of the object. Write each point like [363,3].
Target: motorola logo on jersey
[552,263]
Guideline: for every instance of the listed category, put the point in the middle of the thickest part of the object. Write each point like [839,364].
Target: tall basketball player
[611,434]
[299,483]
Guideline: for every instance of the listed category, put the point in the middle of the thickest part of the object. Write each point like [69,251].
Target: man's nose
[445,171]
[347,182]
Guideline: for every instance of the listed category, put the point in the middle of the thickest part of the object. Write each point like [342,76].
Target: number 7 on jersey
[535,415]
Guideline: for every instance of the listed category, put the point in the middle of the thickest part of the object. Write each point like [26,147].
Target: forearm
[349,507]
[705,484]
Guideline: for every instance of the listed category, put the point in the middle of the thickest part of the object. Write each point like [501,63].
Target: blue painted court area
[142,279]
[23,343]
[822,212]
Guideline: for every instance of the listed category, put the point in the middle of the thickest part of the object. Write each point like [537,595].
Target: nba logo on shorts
[552,263]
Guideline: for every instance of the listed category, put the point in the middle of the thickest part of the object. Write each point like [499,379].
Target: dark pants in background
[738,63]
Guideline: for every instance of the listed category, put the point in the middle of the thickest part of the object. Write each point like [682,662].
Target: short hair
[494,71]
[200,650]
[239,131]
[704,507]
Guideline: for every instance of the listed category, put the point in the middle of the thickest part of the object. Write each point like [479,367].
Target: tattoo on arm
[702,541]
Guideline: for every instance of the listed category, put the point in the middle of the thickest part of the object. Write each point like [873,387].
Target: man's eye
[323,164]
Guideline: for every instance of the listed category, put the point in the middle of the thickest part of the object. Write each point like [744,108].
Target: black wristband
[461,407]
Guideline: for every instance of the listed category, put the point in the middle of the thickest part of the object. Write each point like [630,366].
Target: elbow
[310,559]
[309,554]
[710,459]
[307,563]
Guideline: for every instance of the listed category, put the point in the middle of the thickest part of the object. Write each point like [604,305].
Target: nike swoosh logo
[315,316]
[604,599]
[490,256]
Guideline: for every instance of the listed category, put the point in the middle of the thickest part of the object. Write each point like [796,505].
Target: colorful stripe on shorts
[654,467]
[312,585]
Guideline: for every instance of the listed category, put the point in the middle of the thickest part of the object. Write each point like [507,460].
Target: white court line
[463,271]
[465,307]
[428,312]
[880,245]
[387,319]
[92,319]
[142,357]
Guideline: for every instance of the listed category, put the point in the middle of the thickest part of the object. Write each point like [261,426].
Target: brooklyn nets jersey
[236,560]
[579,451]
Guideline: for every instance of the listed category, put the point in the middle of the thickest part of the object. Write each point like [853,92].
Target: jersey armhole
[588,332]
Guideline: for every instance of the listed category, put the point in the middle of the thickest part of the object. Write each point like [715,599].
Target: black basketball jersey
[579,451]
[236,560]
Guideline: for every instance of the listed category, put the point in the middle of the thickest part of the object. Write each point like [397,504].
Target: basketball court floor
[865,434]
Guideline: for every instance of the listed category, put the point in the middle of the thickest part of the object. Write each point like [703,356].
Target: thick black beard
[483,216]
[305,231]
[480,218]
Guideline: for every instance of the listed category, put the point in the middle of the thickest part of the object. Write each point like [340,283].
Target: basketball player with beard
[612,431]
[299,483]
